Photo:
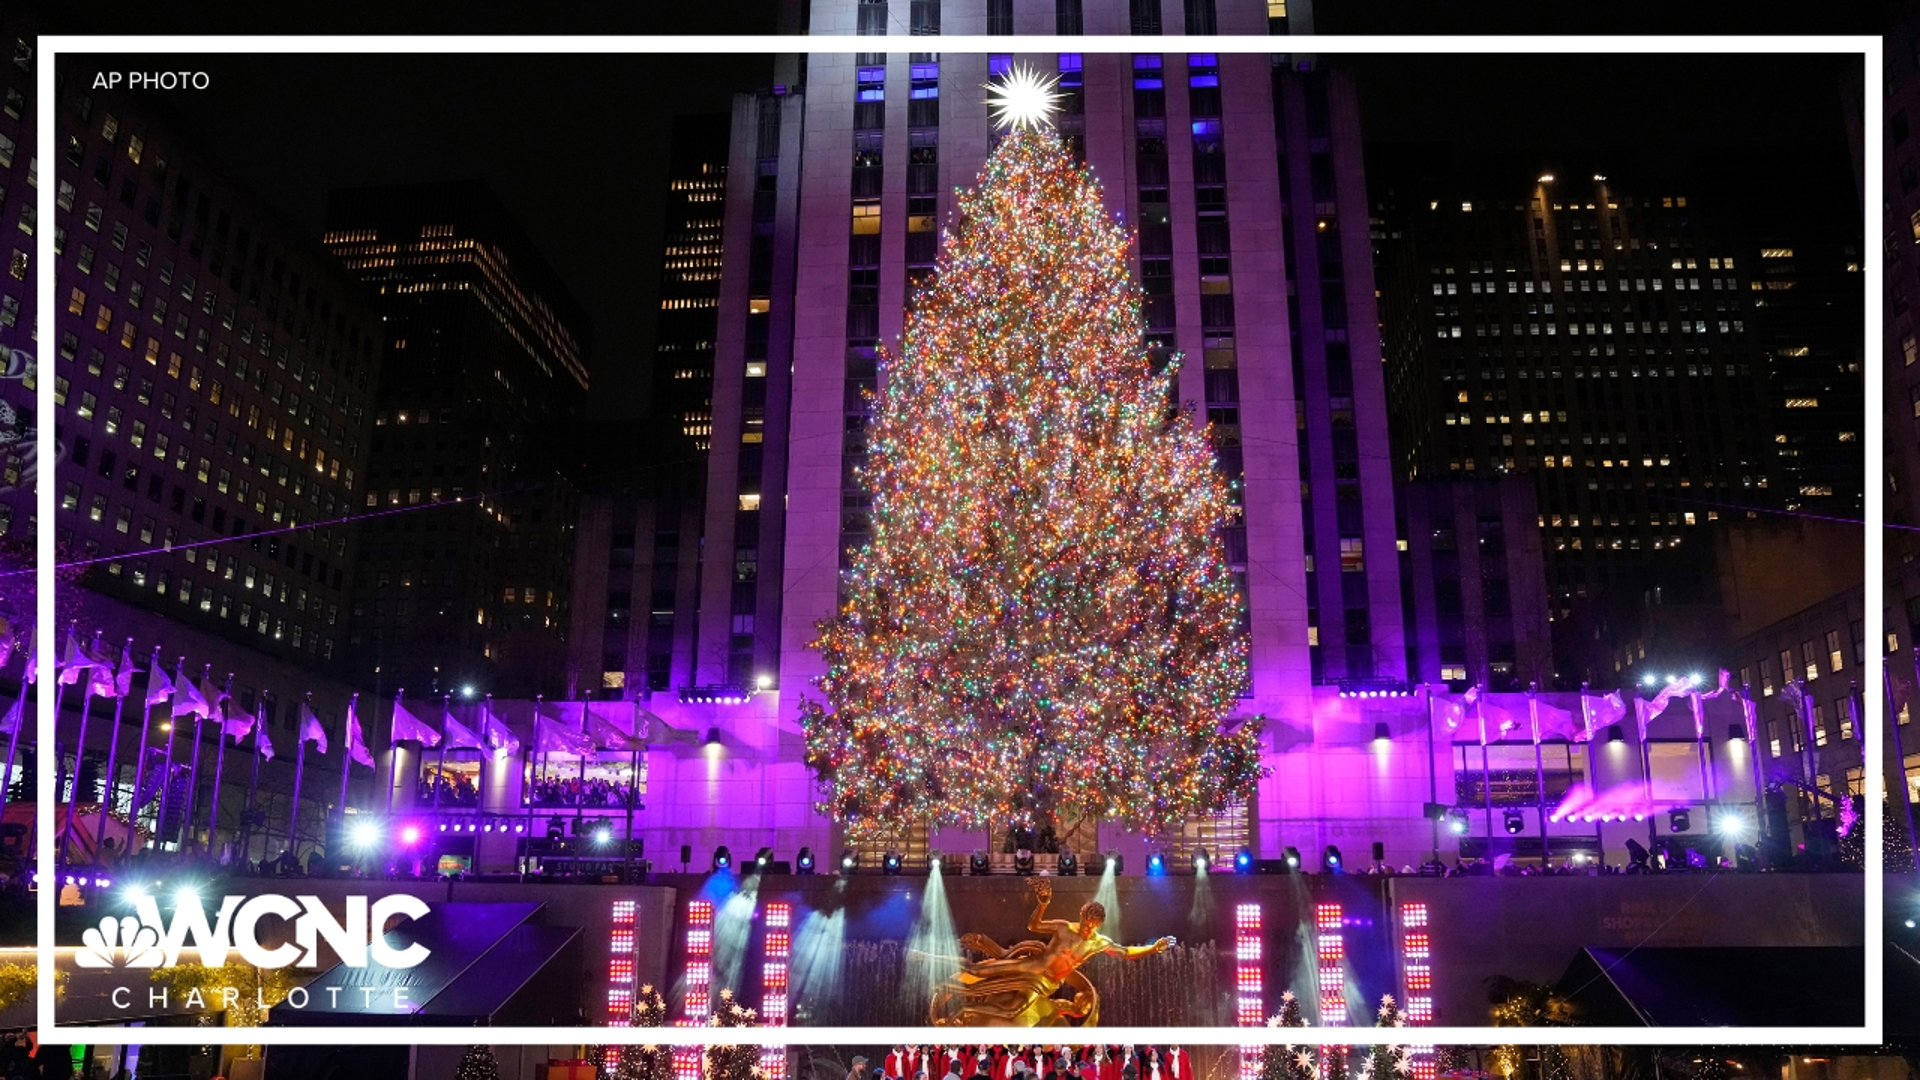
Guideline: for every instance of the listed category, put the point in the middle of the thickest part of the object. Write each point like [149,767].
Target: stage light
[466,691]
[1636,856]
[1293,859]
[488,827]
[519,826]
[133,893]
[1457,821]
[849,861]
[443,826]
[1380,733]
[1648,681]
[1746,858]
[1671,679]
[1023,862]
[763,682]
[722,859]
[712,741]
[365,834]
[556,827]
[1243,860]
[1639,817]
[1910,924]
[1679,821]
[1616,733]
[1200,860]
[186,894]
[1156,865]
[978,863]
[1546,178]
[804,860]
[1693,680]
[1732,826]
[890,863]
[1736,732]
[762,859]
[1115,864]
[1069,863]
[1514,821]
[1330,860]
[602,836]
[410,835]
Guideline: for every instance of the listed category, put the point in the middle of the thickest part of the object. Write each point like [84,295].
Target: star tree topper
[1023,98]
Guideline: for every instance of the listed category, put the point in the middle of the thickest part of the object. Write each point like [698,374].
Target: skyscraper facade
[467,574]
[1242,176]
[690,279]
[1604,343]
[213,383]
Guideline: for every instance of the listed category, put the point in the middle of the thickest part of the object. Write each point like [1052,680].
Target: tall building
[466,578]
[1476,581]
[1806,294]
[1243,176]
[17,210]
[685,328]
[1604,343]
[213,379]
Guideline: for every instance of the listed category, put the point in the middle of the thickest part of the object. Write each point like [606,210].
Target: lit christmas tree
[732,1062]
[478,1064]
[650,1061]
[1044,622]
[1334,1062]
[1389,1062]
[1450,1060]
[1287,1061]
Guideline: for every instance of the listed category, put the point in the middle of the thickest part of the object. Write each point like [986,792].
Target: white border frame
[53,47]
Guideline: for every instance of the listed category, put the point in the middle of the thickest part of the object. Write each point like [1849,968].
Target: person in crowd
[1179,1064]
[982,1068]
[859,1070]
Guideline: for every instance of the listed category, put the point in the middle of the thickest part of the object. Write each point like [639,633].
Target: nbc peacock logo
[122,942]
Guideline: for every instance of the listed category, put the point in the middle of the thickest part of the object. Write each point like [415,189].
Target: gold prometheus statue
[1015,987]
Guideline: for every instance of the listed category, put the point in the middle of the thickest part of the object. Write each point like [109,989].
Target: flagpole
[140,759]
[13,738]
[166,770]
[440,767]
[219,766]
[253,782]
[193,773]
[59,703]
[1539,769]
[393,753]
[299,766]
[346,755]
[79,754]
[113,750]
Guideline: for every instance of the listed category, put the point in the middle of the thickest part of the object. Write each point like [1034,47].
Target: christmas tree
[649,1061]
[732,1062]
[1450,1060]
[1288,1061]
[1334,1062]
[478,1064]
[1389,1062]
[1044,623]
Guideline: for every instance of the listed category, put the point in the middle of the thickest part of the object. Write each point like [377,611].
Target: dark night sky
[576,146]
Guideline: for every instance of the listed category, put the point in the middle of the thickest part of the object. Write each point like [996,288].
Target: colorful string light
[1044,620]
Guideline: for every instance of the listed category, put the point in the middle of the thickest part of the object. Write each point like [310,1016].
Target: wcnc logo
[148,941]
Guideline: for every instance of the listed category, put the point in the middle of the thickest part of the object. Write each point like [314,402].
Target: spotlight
[762,859]
[1293,859]
[466,691]
[722,859]
[443,826]
[1648,681]
[804,860]
[365,834]
[1457,821]
[410,835]
[1380,734]
[849,861]
[1732,826]
[1746,858]
[1200,860]
[1243,860]
[978,863]
[1679,821]
[186,894]
[602,836]
[1616,733]
[1636,857]
[1069,863]
[1434,811]
[556,827]
[1115,864]
[1330,860]
[890,863]
[1736,732]
[763,681]
[519,826]
[1156,865]
[1514,822]
[1023,862]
